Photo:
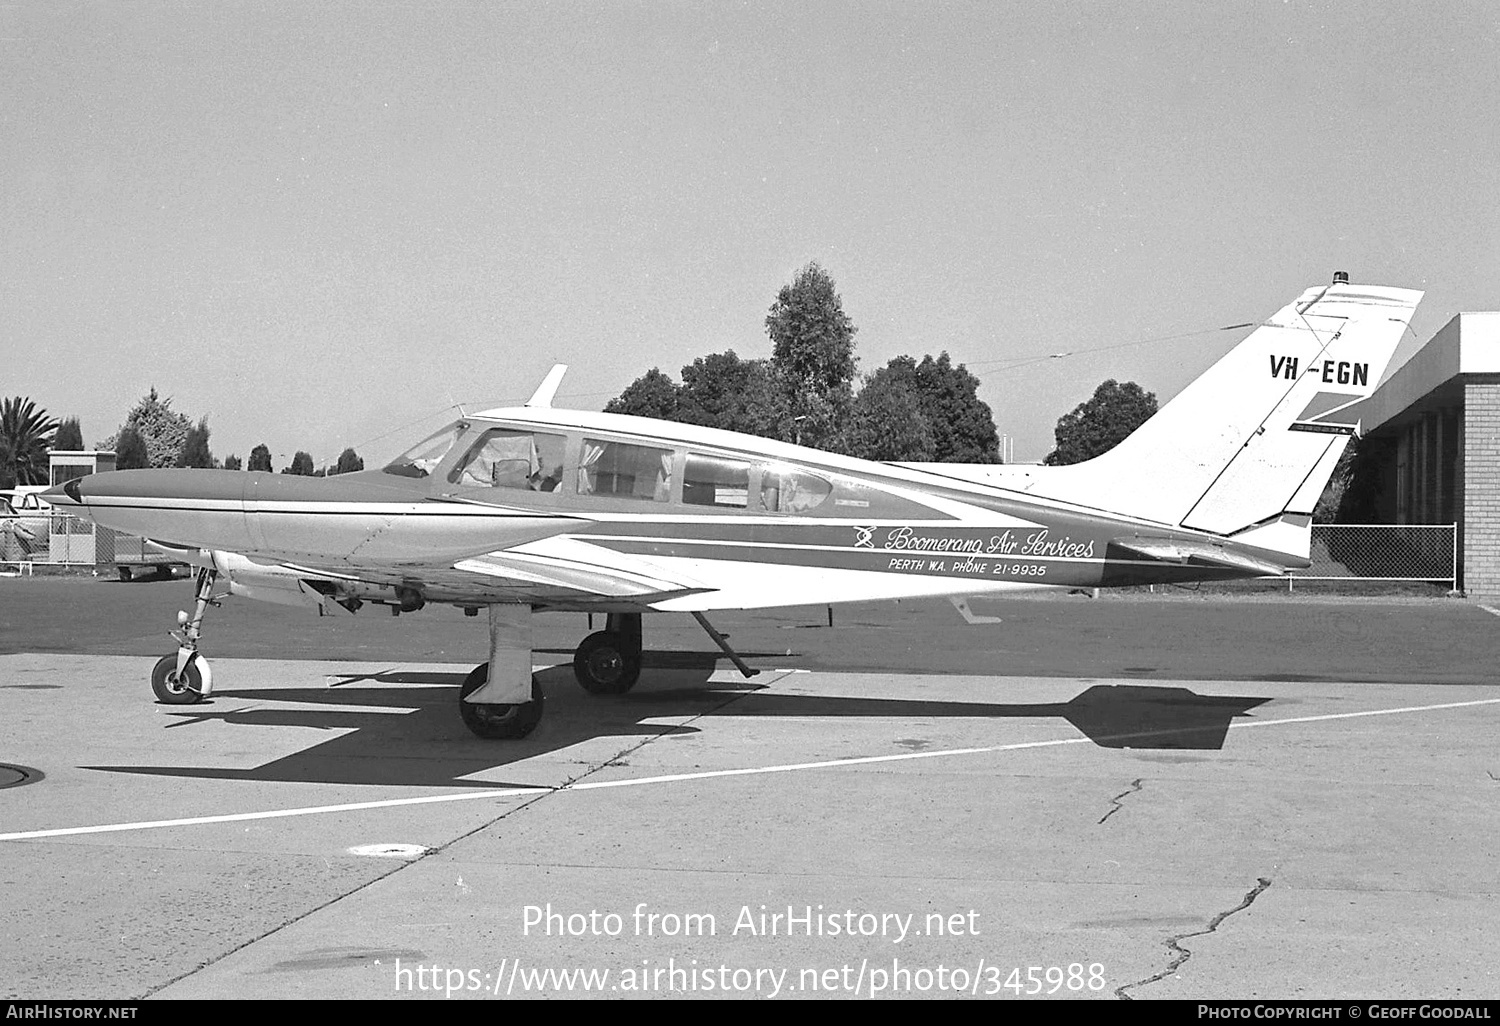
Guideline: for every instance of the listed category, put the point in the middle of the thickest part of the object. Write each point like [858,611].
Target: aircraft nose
[69,493]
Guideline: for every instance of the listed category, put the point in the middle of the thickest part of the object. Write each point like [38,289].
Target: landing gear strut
[495,721]
[501,699]
[609,661]
[184,677]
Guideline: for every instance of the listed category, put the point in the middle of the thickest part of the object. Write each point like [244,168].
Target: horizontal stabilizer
[1200,552]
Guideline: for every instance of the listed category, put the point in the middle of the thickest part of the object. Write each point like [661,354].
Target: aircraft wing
[572,564]
[558,572]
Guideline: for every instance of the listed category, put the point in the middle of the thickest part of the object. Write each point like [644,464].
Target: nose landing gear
[184,677]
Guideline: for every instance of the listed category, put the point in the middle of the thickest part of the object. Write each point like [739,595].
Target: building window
[63,473]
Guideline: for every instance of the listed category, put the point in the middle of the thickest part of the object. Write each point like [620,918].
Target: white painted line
[866,760]
[241,817]
[1367,712]
[1490,609]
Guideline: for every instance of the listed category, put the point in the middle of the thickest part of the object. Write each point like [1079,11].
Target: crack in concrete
[1183,954]
[1135,785]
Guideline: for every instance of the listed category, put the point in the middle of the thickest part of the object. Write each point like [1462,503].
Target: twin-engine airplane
[535,508]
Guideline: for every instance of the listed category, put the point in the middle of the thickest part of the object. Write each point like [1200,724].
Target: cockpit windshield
[423,458]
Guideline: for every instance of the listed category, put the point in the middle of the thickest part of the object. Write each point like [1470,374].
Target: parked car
[18,539]
[28,506]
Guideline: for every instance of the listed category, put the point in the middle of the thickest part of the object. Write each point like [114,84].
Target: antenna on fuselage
[548,388]
[456,403]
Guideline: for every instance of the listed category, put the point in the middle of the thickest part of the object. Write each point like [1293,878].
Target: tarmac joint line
[533,796]
[1182,953]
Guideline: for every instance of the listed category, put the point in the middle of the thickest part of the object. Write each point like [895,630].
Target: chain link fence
[59,539]
[1383,552]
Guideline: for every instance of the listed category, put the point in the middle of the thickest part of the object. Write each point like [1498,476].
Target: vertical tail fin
[1251,443]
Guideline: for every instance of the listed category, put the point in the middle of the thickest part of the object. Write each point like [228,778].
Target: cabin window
[507,458]
[785,490]
[423,458]
[710,481]
[623,471]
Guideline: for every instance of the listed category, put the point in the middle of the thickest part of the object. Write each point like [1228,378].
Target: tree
[232,462]
[653,394]
[722,391]
[812,354]
[963,429]
[348,463]
[301,465]
[260,458]
[130,450]
[195,452]
[1097,426]
[1368,471]
[162,428]
[26,434]
[886,422]
[69,436]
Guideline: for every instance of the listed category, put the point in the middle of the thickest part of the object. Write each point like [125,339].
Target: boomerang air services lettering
[1002,547]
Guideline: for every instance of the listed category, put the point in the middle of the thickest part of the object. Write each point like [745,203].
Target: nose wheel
[181,687]
[184,677]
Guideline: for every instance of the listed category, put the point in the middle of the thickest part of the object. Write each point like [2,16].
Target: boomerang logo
[864,537]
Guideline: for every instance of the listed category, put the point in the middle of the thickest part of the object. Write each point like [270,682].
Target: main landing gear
[502,699]
[184,677]
[609,661]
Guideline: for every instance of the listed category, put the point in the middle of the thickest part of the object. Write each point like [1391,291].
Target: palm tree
[25,436]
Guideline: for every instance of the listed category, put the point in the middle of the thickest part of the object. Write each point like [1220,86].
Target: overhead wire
[998,364]
[1006,364]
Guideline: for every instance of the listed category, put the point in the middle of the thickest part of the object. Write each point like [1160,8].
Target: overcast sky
[320,224]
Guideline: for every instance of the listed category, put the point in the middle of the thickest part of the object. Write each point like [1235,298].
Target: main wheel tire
[605,665]
[170,689]
[498,722]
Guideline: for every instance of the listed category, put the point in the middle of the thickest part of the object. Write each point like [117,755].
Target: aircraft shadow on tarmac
[410,736]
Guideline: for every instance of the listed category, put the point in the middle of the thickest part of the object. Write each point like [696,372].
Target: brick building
[1434,426]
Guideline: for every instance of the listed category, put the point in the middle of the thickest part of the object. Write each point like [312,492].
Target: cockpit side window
[789,490]
[509,458]
[423,458]
[712,481]
[622,471]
